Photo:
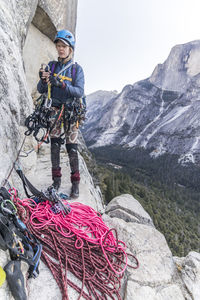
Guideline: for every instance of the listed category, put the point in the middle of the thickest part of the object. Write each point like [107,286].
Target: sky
[119,42]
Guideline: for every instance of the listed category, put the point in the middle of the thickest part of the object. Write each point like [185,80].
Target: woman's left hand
[56,82]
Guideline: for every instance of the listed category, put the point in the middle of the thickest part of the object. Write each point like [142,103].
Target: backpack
[82,99]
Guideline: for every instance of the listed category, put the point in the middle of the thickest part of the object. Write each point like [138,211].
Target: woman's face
[62,49]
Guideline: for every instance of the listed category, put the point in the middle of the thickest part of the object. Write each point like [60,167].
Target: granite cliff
[160,113]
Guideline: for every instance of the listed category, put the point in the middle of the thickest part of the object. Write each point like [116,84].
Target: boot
[56,177]
[75,190]
[75,179]
[56,183]
[74,165]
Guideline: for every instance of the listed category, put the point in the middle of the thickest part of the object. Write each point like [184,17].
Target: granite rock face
[34,54]
[49,17]
[189,269]
[176,73]
[15,100]
[15,96]
[122,206]
[161,113]
[160,276]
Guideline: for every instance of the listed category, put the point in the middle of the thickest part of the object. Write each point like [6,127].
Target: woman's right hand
[44,75]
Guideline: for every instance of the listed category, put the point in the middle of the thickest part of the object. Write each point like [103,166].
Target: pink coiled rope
[85,228]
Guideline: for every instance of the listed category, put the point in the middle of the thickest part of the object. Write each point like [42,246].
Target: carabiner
[48,103]
[45,67]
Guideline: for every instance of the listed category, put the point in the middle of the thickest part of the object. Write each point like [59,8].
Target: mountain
[93,103]
[160,113]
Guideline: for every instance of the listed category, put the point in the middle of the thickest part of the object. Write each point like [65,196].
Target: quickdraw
[39,120]
[75,112]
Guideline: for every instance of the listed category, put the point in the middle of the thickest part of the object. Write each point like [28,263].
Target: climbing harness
[15,237]
[21,244]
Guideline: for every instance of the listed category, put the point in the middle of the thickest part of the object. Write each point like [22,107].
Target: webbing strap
[58,116]
[74,67]
[65,68]
[32,189]
[62,77]
[53,66]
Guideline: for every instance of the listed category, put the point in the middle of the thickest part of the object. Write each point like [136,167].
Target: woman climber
[67,84]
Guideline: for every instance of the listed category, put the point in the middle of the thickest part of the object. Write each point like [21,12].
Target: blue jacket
[59,95]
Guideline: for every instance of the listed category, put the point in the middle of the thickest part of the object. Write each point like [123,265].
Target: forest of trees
[169,192]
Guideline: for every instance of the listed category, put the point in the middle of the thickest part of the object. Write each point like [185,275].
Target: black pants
[72,150]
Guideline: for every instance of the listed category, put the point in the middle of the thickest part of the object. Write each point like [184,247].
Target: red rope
[79,243]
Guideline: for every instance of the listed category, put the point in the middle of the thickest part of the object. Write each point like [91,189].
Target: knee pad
[71,147]
[75,177]
[56,172]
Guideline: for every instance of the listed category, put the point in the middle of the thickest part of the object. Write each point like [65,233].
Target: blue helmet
[66,36]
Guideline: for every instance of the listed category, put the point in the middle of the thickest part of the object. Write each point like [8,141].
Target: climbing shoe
[56,183]
[15,279]
[2,276]
[75,190]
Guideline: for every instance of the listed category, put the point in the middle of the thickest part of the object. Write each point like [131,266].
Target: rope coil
[80,243]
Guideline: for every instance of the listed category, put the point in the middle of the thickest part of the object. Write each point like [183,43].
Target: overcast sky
[121,41]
